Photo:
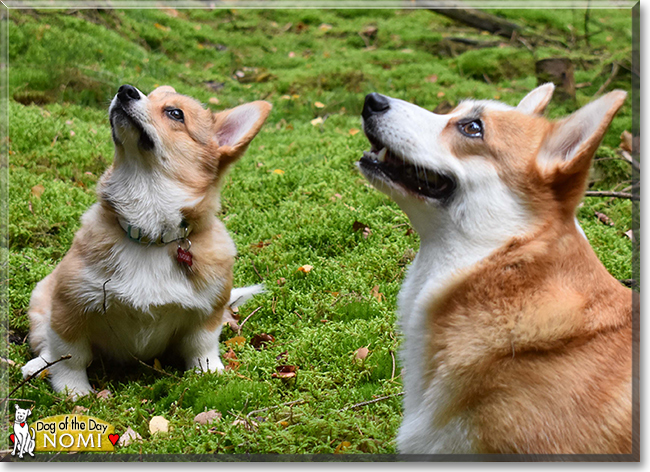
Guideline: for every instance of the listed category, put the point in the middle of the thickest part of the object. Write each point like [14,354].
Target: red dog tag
[184,257]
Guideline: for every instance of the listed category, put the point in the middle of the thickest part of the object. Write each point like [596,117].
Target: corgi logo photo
[61,433]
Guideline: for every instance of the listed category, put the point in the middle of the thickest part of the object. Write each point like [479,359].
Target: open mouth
[380,163]
[120,116]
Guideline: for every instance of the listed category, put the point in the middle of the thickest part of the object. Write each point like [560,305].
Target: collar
[135,234]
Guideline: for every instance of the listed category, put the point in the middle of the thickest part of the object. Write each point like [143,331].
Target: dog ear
[536,101]
[16,405]
[236,128]
[565,156]
[163,89]
[29,412]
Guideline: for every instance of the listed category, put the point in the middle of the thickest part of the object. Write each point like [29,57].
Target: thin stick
[369,402]
[30,377]
[295,402]
[246,319]
[392,373]
[255,269]
[615,68]
[597,193]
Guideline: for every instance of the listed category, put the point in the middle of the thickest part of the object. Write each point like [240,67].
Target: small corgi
[516,338]
[151,266]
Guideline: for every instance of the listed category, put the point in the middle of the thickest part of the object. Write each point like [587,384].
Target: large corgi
[151,266]
[517,339]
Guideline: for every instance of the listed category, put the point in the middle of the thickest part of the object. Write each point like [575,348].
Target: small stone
[207,417]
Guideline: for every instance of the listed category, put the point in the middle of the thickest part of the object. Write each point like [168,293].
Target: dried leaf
[213,100]
[208,417]
[285,372]
[7,361]
[278,171]
[37,190]
[325,27]
[375,293]
[282,355]
[104,394]
[157,365]
[158,424]
[317,121]
[432,79]
[128,437]
[229,354]
[626,141]
[319,105]
[236,341]
[162,27]
[369,31]
[340,449]
[306,268]
[282,281]
[361,353]
[440,94]
[259,341]
[79,410]
[353,131]
[603,218]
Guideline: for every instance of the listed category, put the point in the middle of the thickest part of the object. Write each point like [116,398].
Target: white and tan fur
[131,300]
[509,318]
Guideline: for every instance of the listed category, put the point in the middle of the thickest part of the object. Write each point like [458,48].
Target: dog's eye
[472,129]
[175,114]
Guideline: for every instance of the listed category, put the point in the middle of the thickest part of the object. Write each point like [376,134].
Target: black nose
[375,103]
[127,93]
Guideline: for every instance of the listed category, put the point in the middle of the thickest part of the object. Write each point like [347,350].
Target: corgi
[516,338]
[151,266]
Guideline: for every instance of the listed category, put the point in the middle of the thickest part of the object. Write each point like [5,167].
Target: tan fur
[190,154]
[535,341]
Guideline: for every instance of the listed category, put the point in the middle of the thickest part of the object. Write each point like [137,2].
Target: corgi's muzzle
[126,112]
[385,165]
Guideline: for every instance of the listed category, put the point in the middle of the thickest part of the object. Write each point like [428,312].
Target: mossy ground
[65,68]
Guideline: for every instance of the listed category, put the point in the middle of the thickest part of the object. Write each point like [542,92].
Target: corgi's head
[486,170]
[175,150]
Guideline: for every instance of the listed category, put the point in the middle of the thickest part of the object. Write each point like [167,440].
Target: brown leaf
[432,79]
[361,353]
[325,27]
[603,218]
[208,417]
[285,372]
[37,190]
[236,341]
[340,449]
[375,293]
[259,341]
[157,365]
[128,437]
[369,31]
[249,425]
[357,226]
[79,410]
[104,394]
[353,131]
[229,354]
[282,281]
[626,141]
[306,268]
[282,355]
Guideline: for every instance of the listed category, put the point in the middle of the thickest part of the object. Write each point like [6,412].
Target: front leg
[69,375]
[200,348]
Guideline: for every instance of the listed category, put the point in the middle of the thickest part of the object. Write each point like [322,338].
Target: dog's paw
[33,366]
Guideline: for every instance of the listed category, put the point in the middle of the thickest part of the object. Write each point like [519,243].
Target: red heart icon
[12,437]
[113,438]
[22,424]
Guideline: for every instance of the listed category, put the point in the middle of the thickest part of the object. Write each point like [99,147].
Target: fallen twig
[598,193]
[612,76]
[246,319]
[30,377]
[392,373]
[369,402]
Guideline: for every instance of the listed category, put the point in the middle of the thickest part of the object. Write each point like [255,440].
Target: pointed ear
[536,101]
[565,156]
[236,128]
[574,140]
